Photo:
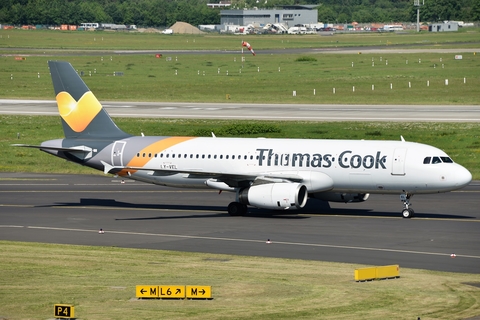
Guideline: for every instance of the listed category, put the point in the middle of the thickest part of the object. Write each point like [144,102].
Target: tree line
[167,12]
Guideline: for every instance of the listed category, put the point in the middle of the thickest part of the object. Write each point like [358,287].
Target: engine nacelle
[276,196]
[341,197]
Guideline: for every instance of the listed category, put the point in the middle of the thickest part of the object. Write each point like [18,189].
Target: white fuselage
[352,165]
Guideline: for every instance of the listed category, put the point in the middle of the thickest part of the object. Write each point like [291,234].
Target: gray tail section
[82,114]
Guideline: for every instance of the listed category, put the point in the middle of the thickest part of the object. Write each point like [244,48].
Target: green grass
[265,78]
[459,140]
[100,282]
[260,79]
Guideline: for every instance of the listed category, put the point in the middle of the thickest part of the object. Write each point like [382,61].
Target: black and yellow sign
[147,291]
[64,311]
[175,292]
[199,292]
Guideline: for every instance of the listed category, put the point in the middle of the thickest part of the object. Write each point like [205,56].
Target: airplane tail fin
[82,114]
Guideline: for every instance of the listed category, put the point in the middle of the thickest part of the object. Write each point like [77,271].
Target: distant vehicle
[326,29]
[396,27]
[167,31]
[297,30]
[112,26]
[89,25]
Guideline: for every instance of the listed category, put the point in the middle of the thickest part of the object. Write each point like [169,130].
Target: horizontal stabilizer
[70,149]
[81,152]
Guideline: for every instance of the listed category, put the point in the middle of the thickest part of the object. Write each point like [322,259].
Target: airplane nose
[462,177]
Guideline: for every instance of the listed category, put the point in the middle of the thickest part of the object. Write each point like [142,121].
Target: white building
[443,26]
[289,15]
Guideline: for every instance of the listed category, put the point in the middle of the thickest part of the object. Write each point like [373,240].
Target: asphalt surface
[71,209]
[310,112]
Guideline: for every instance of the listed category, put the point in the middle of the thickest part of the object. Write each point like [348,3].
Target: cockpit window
[436,160]
[446,160]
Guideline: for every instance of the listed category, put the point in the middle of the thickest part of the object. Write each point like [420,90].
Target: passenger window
[436,160]
[427,160]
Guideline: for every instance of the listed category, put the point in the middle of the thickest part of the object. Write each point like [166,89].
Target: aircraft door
[398,162]
[117,153]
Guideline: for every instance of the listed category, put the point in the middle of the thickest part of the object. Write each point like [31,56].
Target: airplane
[278,174]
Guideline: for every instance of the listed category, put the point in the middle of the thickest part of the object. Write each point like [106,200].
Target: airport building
[444,26]
[289,15]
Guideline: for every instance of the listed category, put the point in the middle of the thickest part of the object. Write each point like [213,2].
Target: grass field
[100,282]
[397,78]
[265,78]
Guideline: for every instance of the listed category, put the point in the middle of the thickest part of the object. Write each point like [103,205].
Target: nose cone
[462,177]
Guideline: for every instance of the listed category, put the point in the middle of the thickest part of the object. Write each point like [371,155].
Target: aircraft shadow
[318,207]
[218,211]
[313,207]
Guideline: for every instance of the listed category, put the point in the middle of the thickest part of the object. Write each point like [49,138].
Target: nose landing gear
[407,212]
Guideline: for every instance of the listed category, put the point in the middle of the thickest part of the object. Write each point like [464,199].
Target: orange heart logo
[78,115]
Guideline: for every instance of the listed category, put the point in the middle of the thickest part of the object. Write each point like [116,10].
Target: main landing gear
[237,209]
[407,212]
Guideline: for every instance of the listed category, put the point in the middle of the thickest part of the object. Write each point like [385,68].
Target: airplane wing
[195,172]
[230,181]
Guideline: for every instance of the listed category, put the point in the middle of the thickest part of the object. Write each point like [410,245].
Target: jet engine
[341,197]
[275,196]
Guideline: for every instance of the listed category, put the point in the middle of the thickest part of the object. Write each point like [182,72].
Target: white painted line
[257,241]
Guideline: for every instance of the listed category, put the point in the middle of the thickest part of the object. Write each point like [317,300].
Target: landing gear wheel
[408,213]
[237,209]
